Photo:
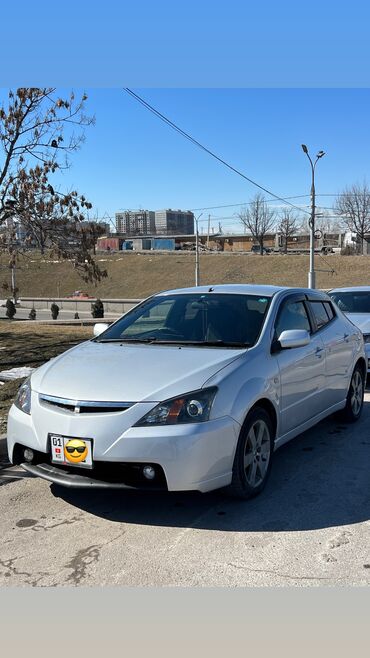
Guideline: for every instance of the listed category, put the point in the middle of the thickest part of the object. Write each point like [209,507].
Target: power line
[248,203]
[204,148]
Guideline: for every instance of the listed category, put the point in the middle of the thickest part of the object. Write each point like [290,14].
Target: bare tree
[353,206]
[258,219]
[288,226]
[39,131]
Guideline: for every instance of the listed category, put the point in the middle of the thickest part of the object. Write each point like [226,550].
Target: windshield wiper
[213,343]
[159,341]
[151,339]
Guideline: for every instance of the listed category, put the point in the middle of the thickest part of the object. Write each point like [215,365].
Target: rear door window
[320,314]
[329,310]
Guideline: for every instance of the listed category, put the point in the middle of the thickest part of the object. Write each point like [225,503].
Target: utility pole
[209,229]
[197,276]
[14,292]
[311,273]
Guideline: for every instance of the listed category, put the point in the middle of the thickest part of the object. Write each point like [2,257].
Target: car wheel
[253,457]
[355,396]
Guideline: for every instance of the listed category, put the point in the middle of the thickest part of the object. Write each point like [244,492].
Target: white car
[193,389]
[355,304]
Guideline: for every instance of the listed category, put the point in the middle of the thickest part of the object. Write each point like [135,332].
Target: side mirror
[99,327]
[294,338]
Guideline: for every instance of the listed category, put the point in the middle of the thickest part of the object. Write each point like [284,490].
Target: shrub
[97,309]
[32,315]
[54,308]
[10,309]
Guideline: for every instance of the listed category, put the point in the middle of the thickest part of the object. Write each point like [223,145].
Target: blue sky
[131,159]
[250,80]
[201,43]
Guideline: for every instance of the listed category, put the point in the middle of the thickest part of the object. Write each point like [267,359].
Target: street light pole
[197,277]
[311,273]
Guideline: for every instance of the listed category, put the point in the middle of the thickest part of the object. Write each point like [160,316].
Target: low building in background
[109,243]
[325,243]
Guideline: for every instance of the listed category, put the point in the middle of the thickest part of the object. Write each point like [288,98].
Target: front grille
[84,406]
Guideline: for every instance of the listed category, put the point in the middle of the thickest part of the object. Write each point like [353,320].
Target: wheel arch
[362,363]
[267,405]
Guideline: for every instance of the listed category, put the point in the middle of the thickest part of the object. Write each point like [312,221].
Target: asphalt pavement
[309,527]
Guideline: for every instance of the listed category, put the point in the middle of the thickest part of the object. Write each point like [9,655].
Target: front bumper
[197,456]
[74,480]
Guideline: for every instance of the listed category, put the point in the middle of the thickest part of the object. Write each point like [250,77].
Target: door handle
[318,351]
[346,337]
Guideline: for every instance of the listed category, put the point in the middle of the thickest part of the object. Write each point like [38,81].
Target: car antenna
[211,289]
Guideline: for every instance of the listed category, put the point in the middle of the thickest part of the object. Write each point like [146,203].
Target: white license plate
[71,451]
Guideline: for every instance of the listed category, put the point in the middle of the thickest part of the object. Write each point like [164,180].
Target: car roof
[351,289]
[242,289]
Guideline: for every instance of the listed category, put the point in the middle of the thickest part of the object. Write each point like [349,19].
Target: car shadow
[319,480]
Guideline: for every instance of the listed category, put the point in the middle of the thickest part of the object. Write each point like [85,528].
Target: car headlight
[366,338]
[193,407]
[23,398]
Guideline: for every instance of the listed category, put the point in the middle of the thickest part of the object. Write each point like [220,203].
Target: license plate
[71,451]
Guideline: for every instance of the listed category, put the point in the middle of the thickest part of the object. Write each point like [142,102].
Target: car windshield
[210,319]
[352,302]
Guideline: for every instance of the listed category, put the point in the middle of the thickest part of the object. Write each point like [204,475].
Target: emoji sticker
[75,451]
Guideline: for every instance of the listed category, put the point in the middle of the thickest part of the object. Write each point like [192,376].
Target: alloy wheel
[357,392]
[257,453]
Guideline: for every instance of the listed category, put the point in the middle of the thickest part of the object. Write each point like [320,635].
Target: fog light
[149,472]
[28,454]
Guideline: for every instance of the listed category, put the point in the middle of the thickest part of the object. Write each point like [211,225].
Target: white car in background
[355,304]
[193,389]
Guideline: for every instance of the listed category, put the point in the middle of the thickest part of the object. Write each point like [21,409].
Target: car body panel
[302,383]
[127,372]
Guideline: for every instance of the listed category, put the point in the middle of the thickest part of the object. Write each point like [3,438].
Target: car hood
[132,373]
[361,320]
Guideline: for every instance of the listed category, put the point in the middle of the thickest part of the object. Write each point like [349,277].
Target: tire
[355,396]
[253,457]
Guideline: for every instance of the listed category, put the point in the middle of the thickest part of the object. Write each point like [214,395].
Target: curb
[3,446]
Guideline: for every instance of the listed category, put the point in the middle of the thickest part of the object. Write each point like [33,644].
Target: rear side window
[329,310]
[321,315]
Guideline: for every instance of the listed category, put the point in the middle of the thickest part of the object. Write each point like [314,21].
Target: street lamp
[197,250]
[311,274]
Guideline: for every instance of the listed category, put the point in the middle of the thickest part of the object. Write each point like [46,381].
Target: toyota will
[193,389]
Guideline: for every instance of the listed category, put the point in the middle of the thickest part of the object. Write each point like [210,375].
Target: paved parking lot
[309,527]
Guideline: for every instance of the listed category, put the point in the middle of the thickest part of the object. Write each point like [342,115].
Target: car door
[302,369]
[338,336]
